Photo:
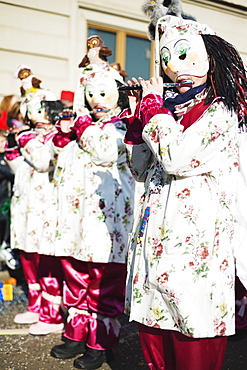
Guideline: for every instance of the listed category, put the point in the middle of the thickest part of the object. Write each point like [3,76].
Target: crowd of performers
[132,200]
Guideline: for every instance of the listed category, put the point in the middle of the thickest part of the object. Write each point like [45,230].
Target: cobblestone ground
[22,351]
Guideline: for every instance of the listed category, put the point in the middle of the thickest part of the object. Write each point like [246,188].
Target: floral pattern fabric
[32,192]
[181,260]
[93,201]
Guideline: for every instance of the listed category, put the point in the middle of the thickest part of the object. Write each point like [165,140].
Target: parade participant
[29,156]
[95,191]
[180,283]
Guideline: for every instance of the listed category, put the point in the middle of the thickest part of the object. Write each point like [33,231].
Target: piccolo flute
[62,116]
[166,85]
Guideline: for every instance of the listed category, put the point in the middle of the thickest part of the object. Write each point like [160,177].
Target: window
[132,51]
[138,57]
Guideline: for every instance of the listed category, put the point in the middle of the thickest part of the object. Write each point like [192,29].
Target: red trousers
[30,267]
[43,275]
[171,350]
[94,295]
[51,282]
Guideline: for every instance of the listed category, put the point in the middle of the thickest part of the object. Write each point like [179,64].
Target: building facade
[50,36]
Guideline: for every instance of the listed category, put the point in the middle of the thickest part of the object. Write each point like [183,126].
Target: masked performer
[95,191]
[184,145]
[28,154]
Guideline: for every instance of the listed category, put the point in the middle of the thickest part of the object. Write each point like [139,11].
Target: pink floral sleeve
[24,138]
[81,124]
[11,153]
[61,139]
[149,106]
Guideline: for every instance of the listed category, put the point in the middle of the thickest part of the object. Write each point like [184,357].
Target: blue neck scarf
[170,103]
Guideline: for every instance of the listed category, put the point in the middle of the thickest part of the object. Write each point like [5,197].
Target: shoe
[7,254]
[42,328]
[69,349]
[93,359]
[26,318]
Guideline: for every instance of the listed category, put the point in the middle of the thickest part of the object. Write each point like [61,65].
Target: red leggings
[96,288]
[171,350]
[51,282]
[30,267]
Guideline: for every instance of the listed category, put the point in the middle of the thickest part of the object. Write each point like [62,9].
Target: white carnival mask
[184,56]
[35,111]
[101,92]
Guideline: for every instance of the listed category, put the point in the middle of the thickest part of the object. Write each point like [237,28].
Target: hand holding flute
[154,85]
[137,88]
[65,120]
[134,85]
[140,87]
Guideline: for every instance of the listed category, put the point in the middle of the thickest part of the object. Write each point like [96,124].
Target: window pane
[109,39]
[138,57]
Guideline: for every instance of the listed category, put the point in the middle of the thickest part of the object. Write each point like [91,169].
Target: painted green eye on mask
[182,49]
[165,55]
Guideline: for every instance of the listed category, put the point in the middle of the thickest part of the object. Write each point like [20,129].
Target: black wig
[227,76]
[52,109]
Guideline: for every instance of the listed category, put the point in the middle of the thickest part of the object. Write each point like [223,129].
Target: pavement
[22,351]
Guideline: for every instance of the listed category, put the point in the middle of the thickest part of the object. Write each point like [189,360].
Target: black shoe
[69,349]
[93,359]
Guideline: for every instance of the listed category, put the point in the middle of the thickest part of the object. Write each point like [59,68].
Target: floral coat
[32,190]
[181,264]
[93,196]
